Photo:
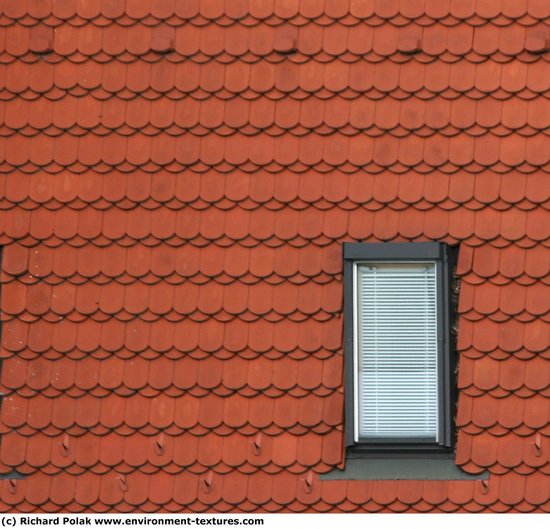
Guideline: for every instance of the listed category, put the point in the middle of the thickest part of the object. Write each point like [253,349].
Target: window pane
[397,350]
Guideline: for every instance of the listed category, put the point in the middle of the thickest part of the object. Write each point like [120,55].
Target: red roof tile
[172,211]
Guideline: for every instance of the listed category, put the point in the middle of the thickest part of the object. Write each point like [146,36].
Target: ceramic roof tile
[164,286]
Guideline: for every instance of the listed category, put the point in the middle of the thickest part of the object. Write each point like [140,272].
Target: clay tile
[37,490]
[285,449]
[538,189]
[385,151]
[512,38]
[513,187]
[358,492]
[14,298]
[386,76]
[285,373]
[285,39]
[538,9]
[511,412]
[510,336]
[87,450]
[62,489]
[186,487]
[235,411]
[411,224]
[186,337]
[486,298]
[63,374]
[235,488]
[18,114]
[537,301]
[14,411]
[287,9]
[409,492]
[536,374]
[461,492]
[536,262]
[361,113]
[387,116]
[336,224]
[465,259]
[510,451]
[360,39]
[486,375]
[285,339]
[512,261]
[261,410]
[436,151]
[485,413]
[434,40]
[485,337]
[536,336]
[361,224]
[536,489]
[209,373]
[361,76]
[112,488]
[514,78]
[262,77]
[384,492]
[14,337]
[17,10]
[40,415]
[309,450]
[409,44]
[536,412]
[17,39]
[40,336]
[512,299]
[162,411]
[163,38]
[284,488]
[335,39]
[537,226]
[310,374]
[14,372]
[512,374]
[511,488]
[535,153]
[537,43]
[335,151]
[40,377]
[285,414]
[513,224]
[332,448]
[185,450]
[486,39]
[87,489]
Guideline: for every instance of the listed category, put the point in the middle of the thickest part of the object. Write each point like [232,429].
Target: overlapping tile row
[176,183]
[299,117]
[263,231]
[252,12]
[265,492]
[294,191]
[78,41]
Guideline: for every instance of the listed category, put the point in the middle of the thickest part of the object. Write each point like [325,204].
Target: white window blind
[397,351]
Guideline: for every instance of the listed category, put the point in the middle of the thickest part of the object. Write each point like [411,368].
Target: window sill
[440,469]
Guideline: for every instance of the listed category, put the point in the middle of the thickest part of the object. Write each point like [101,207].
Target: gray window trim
[443,255]
[433,468]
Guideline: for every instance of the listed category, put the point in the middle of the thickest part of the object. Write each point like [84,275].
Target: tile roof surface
[176,182]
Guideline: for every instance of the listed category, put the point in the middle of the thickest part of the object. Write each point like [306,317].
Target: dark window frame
[444,257]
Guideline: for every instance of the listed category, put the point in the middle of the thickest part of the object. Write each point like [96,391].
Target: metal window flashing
[403,468]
